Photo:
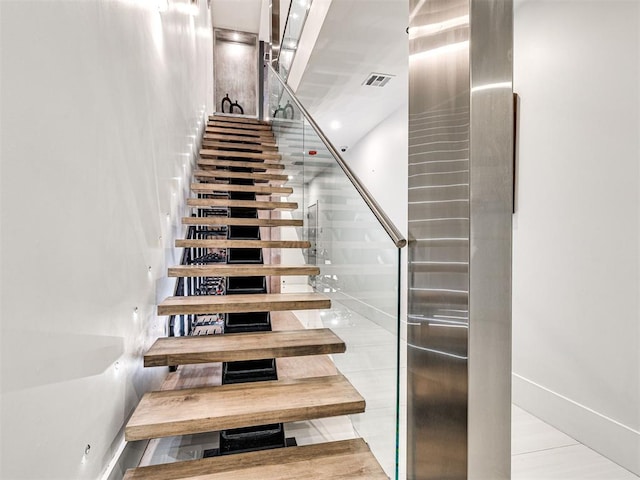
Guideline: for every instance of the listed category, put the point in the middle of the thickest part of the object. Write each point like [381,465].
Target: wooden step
[215,202]
[244,156]
[243,303]
[256,166]
[241,270]
[234,347]
[256,177]
[242,125]
[235,146]
[266,136]
[255,222]
[247,156]
[341,460]
[236,119]
[238,138]
[205,243]
[225,187]
[199,410]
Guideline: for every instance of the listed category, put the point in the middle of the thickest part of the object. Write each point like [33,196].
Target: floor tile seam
[559,447]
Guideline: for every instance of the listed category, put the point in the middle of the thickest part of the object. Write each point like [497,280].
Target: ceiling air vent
[377,80]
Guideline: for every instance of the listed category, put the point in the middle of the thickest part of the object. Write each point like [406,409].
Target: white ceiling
[240,15]
[357,37]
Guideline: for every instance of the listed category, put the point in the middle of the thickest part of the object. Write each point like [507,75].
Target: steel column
[460,200]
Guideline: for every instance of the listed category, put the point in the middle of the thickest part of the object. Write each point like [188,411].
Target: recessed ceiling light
[335,125]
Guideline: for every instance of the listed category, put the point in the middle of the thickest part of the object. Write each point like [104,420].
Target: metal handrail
[377,211]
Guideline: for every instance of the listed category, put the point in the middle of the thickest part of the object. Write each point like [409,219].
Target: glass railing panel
[291,37]
[288,128]
[359,271]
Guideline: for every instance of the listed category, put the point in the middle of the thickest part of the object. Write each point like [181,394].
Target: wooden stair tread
[256,222]
[243,303]
[340,460]
[238,138]
[207,243]
[215,202]
[243,125]
[218,144]
[258,177]
[210,374]
[240,132]
[199,410]
[225,187]
[233,347]
[241,270]
[236,119]
[211,162]
[207,152]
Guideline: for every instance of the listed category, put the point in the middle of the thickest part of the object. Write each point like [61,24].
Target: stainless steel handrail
[377,211]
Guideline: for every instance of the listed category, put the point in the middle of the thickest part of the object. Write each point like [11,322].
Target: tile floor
[540,452]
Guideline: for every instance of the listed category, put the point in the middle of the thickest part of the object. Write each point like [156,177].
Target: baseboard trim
[615,440]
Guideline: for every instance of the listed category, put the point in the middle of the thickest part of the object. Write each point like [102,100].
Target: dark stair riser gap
[249,439]
[249,371]
[241,285]
[247,322]
[266,436]
[244,255]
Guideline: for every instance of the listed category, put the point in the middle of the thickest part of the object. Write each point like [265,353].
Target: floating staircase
[344,460]
[226,278]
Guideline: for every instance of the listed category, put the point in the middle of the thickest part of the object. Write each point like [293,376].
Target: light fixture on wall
[87,450]
[233,36]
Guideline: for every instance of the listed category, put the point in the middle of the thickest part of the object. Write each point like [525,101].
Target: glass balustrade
[359,271]
[291,36]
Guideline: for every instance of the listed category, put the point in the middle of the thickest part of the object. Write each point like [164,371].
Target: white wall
[101,106]
[379,159]
[576,280]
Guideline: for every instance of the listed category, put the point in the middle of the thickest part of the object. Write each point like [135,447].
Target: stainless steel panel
[491,203]
[459,240]
[275,33]
[438,232]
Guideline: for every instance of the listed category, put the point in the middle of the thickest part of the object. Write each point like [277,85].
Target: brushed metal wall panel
[275,32]
[459,241]
[491,233]
[438,241]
